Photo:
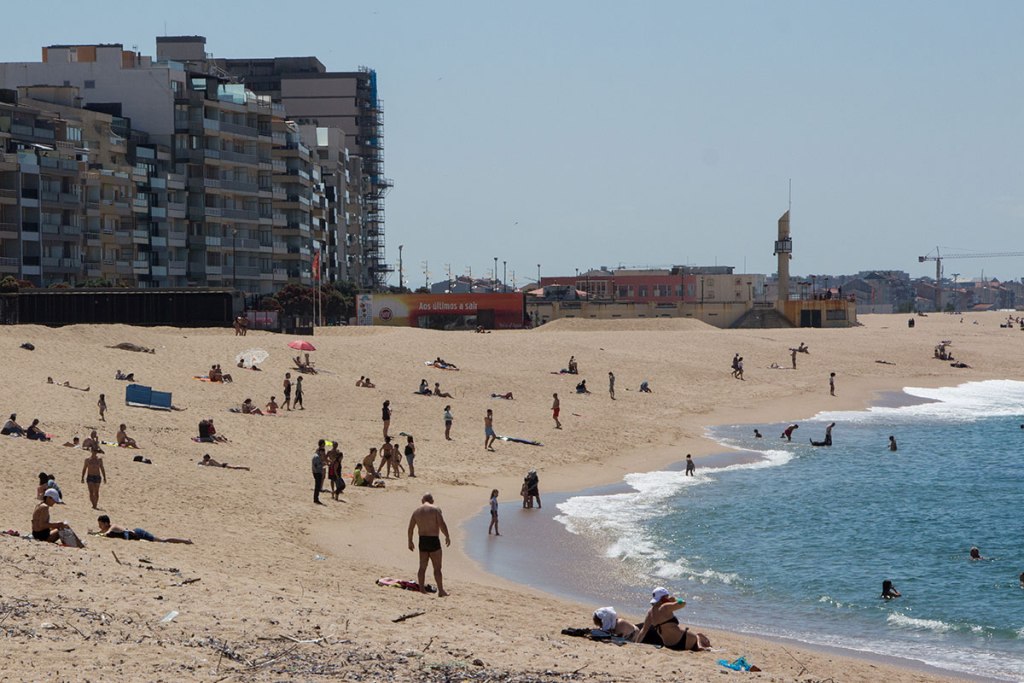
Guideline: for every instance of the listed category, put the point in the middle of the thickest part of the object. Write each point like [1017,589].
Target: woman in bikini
[662,619]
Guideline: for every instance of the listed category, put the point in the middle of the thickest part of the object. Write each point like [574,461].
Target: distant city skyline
[575,135]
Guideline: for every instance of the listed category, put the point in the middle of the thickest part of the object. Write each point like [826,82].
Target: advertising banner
[444,311]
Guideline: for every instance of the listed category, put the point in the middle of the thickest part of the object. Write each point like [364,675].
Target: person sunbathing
[35,433]
[123,440]
[218,438]
[92,443]
[46,481]
[137,534]
[662,620]
[249,409]
[608,621]
[368,384]
[130,377]
[424,389]
[12,428]
[49,380]
[74,443]
[581,388]
[438,392]
[507,396]
[272,406]
[207,461]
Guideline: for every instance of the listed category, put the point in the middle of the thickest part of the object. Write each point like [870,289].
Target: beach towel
[202,378]
[528,442]
[595,634]
[387,581]
[199,439]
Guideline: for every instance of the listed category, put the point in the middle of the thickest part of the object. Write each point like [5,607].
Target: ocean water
[798,542]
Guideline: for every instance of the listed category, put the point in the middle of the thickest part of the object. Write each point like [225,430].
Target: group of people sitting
[217,375]
[425,390]
[249,408]
[304,365]
[208,433]
[660,626]
[365,383]
[33,431]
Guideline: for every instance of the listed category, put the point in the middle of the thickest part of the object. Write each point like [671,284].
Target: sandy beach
[277,588]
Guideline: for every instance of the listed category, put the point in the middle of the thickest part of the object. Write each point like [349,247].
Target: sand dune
[273,566]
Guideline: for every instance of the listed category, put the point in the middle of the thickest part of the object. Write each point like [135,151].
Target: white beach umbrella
[251,357]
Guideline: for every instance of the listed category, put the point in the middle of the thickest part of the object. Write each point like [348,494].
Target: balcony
[239,157]
[9,231]
[240,214]
[280,274]
[177,268]
[9,265]
[238,129]
[239,186]
[140,236]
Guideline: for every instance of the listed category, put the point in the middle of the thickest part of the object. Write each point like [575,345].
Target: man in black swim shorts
[427,518]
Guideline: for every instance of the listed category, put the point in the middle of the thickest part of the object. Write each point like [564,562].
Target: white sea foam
[964,403]
[903,621]
[623,517]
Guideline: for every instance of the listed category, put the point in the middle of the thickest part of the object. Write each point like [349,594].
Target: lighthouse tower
[784,251]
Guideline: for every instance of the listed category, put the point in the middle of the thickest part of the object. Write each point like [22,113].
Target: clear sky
[581,133]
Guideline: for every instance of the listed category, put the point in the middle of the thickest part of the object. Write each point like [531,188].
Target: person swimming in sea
[975,553]
[889,591]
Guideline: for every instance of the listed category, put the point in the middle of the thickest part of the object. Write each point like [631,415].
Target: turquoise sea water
[797,544]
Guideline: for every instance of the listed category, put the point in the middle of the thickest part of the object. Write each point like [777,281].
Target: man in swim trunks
[555,409]
[489,435]
[287,386]
[137,534]
[93,474]
[428,518]
[42,528]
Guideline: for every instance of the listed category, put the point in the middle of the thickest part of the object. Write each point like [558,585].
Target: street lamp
[701,290]
[234,238]
[494,279]
[538,275]
[504,275]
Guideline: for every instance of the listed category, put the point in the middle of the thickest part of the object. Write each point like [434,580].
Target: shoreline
[577,550]
[268,567]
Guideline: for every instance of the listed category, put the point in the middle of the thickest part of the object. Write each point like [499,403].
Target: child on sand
[102,405]
[494,513]
[448,423]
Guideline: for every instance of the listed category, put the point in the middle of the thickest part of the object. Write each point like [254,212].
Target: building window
[836,314]
[643,291]
[89,85]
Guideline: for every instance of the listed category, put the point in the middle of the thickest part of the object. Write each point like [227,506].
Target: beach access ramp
[139,396]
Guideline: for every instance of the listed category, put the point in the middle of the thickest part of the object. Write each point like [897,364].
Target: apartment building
[185,188]
[40,194]
[347,102]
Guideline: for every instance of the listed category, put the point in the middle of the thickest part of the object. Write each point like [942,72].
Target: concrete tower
[784,250]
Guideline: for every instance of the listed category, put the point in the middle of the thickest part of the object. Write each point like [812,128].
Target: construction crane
[939,258]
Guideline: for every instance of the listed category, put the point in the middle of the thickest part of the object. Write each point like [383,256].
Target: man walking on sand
[832,384]
[92,475]
[611,385]
[555,409]
[489,435]
[430,522]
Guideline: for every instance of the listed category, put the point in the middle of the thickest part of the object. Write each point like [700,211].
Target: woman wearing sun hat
[662,620]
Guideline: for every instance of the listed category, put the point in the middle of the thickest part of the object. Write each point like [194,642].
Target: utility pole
[538,275]
[504,275]
[494,273]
